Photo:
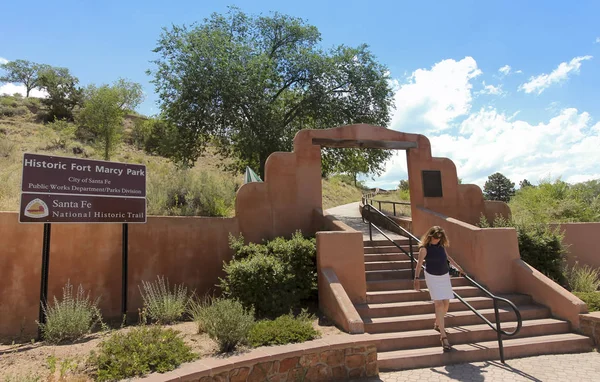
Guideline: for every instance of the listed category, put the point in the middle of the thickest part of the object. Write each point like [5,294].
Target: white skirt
[439,287]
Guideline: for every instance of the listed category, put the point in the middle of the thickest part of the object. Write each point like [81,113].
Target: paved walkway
[560,368]
[350,214]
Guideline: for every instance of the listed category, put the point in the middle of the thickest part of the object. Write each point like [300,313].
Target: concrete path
[552,368]
[350,214]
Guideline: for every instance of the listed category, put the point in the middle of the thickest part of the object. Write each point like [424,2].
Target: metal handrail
[368,199]
[498,329]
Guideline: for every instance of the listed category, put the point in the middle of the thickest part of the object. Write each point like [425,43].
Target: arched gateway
[291,192]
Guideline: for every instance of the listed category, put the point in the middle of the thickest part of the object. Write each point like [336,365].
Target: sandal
[437,329]
[445,344]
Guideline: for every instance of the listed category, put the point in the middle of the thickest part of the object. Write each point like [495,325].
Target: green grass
[395,196]
[337,193]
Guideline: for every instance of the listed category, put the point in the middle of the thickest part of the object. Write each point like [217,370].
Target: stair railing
[497,328]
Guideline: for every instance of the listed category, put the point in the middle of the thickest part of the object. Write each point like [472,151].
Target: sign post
[72,190]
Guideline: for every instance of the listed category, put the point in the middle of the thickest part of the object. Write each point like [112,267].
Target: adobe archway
[291,192]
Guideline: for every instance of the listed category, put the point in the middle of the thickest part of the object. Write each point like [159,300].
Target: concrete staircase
[401,319]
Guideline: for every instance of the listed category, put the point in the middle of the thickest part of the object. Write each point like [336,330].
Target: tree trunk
[262,158]
[27,92]
[106,147]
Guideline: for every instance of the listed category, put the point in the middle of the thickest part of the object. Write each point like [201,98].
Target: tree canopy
[498,187]
[248,84]
[23,72]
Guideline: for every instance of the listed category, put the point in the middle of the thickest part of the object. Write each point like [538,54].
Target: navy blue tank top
[436,261]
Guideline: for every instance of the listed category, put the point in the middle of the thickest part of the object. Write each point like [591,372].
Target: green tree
[24,72]
[525,183]
[103,116]
[354,161]
[498,187]
[403,186]
[63,93]
[104,109]
[250,83]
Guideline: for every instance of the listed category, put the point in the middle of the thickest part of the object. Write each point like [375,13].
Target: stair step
[465,334]
[387,265]
[412,295]
[376,257]
[481,351]
[424,307]
[390,249]
[394,274]
[385,242]
[460,318]
[388,285]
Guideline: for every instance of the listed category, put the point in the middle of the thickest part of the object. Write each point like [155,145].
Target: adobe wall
[189,250]
[292,185]
[580,239]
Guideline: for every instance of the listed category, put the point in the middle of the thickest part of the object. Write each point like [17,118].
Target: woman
[432,250]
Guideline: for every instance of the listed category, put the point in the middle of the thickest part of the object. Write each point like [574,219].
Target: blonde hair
[426,239]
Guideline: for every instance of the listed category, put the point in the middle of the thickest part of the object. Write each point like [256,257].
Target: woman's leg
[446,306]
[439,314]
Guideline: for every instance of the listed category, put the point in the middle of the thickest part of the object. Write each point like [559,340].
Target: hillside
[204,190]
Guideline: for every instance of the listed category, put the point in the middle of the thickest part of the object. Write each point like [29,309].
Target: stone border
[589,325]
[339,357]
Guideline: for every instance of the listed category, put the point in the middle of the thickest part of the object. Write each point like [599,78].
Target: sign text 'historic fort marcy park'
[68,190]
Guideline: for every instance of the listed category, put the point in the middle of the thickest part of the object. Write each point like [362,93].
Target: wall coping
[205,367]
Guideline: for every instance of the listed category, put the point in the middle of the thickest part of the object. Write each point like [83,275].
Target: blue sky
[538,119]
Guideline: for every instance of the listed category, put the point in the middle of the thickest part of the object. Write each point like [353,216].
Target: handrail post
[498,331]
[370,232]
[379,205]
[394,209]
[412,258]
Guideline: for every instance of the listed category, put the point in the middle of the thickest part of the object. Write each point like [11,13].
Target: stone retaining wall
[589,324]
[283,363]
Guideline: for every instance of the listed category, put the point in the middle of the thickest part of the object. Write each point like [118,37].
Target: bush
[58,133]
[583,279]
[540,246]
[71,318]
[189,192]
[242,251]
[140,351]
[9,111]
[283,330]
[227,322]
[274,283]
[592,299]
[162,304]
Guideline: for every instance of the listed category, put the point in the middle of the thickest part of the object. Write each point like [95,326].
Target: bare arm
[422,254]
[455,264]
[421,259]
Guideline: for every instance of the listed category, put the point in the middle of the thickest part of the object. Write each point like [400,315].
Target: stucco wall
[187,250]
[581,239]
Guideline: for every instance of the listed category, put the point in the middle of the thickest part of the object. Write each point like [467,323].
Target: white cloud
[486,140]
[491,89]
[561,73]
[3,60]
[519,71]
[505,69]
[417,107]
[597,40]
[11,89]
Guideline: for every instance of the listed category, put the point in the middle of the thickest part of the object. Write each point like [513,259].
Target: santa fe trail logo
[36,209]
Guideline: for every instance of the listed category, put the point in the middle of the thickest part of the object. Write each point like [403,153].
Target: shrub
[592,299]
[58,133]
[583,279]
[189,192]
[140,351]
[227,322]
[196,309]
[283,330]
[9,111]
[71,318]
[243,251]
[276,282]
[162,304]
